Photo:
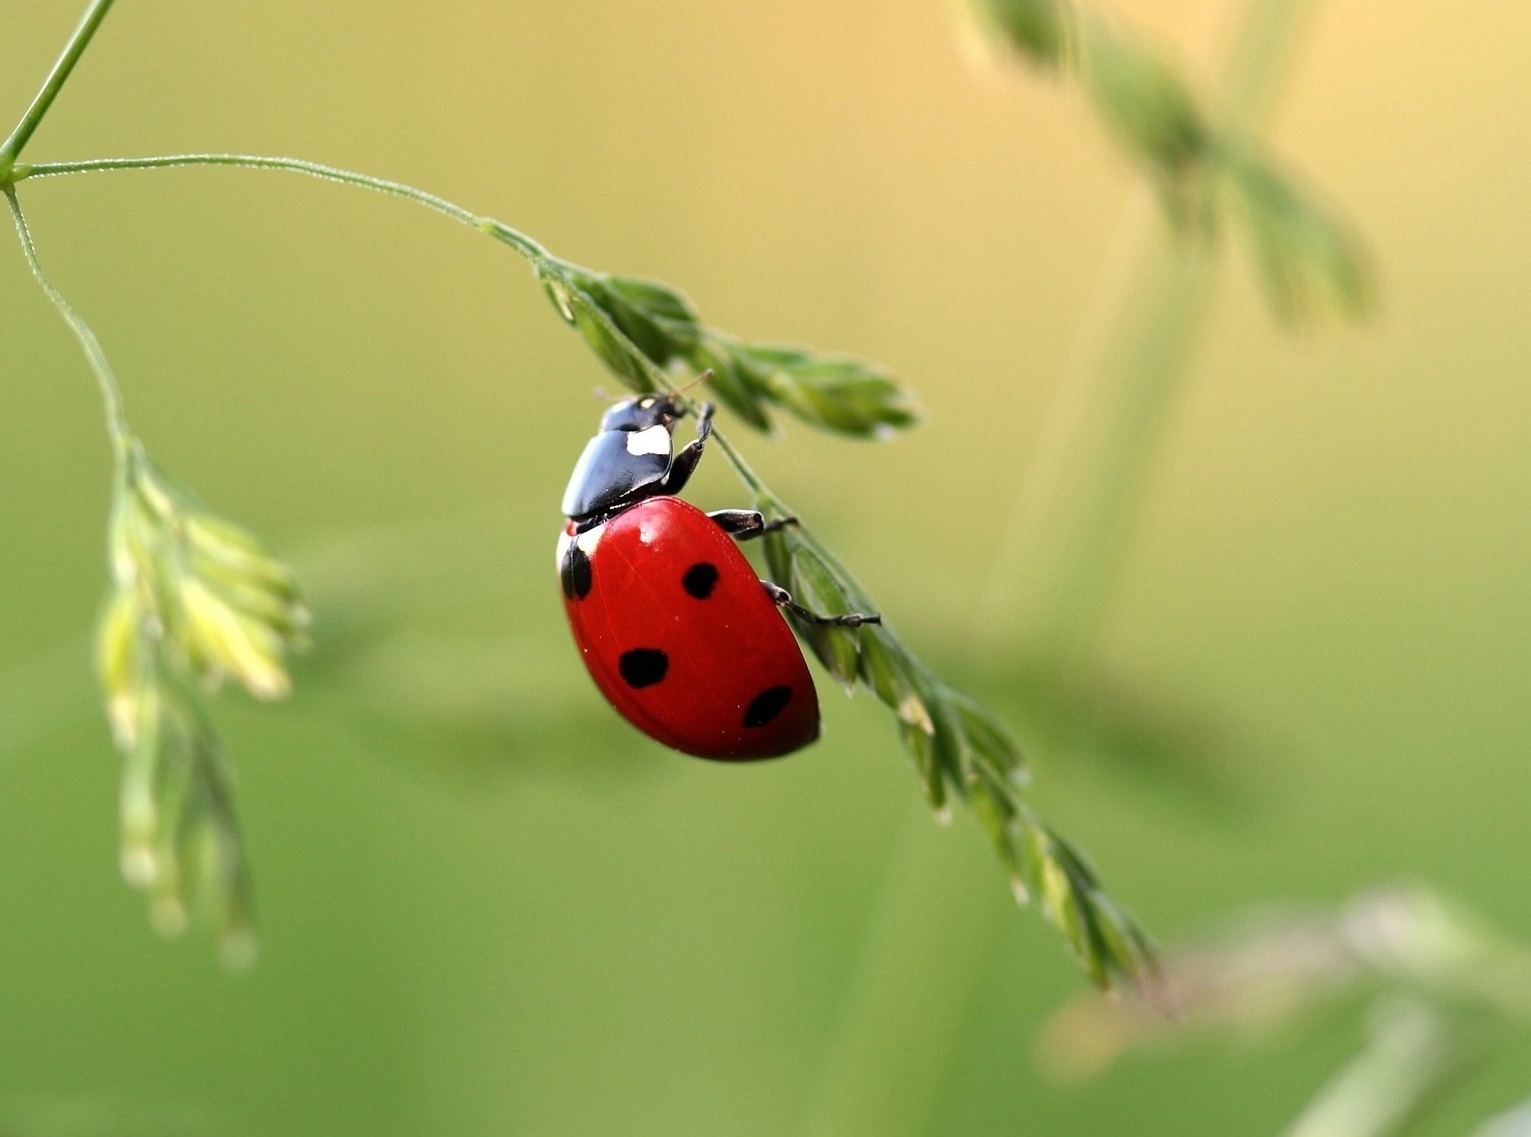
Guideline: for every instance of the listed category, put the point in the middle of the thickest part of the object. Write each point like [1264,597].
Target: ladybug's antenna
[603,395]
[700,378]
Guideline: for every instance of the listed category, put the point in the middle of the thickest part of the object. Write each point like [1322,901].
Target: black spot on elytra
[575,573]
[643,666]
[767,705]
[700,579]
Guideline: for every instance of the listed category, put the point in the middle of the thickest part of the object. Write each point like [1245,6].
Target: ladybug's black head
[642,413]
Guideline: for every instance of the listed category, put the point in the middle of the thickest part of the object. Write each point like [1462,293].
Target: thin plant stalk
[1378,1092]
[500,231]
[106,379]
[530,249]
[1151,338]
[1072,521]
[1074,515]
[243,627]
[1261,59]
[52,85]
[933,929]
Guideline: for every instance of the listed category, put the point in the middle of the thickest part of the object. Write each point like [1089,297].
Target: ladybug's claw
[850,620]
[685,462]
[704,412]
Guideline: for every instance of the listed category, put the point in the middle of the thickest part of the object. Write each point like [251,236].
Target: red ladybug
[677,631]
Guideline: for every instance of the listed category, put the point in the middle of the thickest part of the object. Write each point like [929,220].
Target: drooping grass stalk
[1379,1090]
[539,257]
[512,237]
[194,600]
[640,329]
[52,85]
[111,392]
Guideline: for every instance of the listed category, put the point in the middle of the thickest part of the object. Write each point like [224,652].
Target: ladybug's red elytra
[677,631]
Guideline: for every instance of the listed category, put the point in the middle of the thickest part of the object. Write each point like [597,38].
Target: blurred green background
[487,905]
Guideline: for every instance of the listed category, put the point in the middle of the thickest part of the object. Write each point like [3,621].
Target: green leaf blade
[838,393]
[1041,30]
[1310,262]
[1144,101]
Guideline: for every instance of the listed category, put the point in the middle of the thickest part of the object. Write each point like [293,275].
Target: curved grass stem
[639,329]
[106,379]
[501,232]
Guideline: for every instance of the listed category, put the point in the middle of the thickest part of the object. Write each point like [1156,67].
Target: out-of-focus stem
[1376,1093]
[1073,519]
[1261,59]
[884,1072]
[1086,526]
[929,938]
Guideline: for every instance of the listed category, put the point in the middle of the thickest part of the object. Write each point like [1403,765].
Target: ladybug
[677,631]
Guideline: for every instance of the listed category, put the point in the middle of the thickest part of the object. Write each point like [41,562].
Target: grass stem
[500,231]
[111,392]
[1106,428]
[51,87]
[1074,515]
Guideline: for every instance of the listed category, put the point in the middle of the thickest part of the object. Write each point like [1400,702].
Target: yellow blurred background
[488,906]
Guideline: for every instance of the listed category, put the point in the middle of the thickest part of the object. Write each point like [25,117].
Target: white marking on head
[589,539]
[654,440]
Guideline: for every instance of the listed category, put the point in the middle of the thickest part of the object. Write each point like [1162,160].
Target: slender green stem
[1111,456]
[52,85]
[1092,473]
[748,476]
[545,263]
[1260,60]
[1395,1075]
[1074,516]
[568,279]
[928,940]
[764,494]
[517,240]
[111,393]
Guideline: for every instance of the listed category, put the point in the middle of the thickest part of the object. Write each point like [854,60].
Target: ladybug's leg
[685,462]
[747,524]
[850,620]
